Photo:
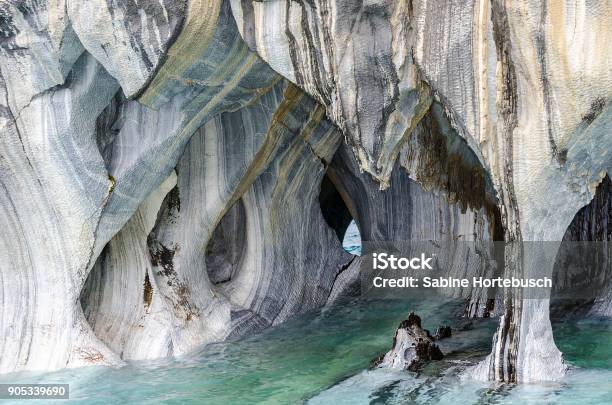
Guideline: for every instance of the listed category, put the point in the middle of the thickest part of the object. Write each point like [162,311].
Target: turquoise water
[586,342]
[352,239]
[323,358]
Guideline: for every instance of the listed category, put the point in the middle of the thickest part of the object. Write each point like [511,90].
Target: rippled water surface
[323,358]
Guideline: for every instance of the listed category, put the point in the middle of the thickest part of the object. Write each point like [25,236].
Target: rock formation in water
[412,347]
[168,167]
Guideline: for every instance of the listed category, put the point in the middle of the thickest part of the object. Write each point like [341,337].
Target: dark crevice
[582,273]
[540,42]
[108,127]
[333,208]
[226,246]
[147,294]
[594,221]
[92,291]
[343,269]
[445,162]
[597,106]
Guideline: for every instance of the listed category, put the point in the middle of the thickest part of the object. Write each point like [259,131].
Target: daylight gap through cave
[338,217]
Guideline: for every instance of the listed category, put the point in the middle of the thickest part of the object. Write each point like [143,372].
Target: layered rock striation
[164,165]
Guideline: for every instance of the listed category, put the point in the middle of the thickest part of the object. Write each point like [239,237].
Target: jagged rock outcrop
[412,347]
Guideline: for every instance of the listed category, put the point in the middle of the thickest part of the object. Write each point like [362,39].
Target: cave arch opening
[582,275]
[338,216]
[352,239]
[580,309]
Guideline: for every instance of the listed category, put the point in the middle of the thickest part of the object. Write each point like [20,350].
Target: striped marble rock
[498,109]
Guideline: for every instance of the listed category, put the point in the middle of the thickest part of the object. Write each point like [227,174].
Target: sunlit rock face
[129,130]
[82,179]
[55,188]
[241,163]
[533,110]
[353,57]
[214,74]
[118,299]
[528,106]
